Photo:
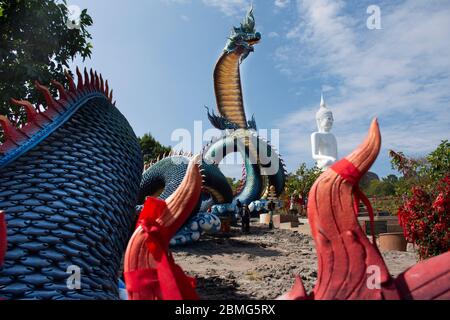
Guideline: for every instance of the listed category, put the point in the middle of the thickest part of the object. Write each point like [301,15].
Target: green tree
[36,44]
[234,183]
[439,161]
[392,179]
[423,172]
[301,181]
[151,148]
[380,189]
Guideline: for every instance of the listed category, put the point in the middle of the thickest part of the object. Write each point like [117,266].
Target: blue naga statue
[68,185]
[71,180]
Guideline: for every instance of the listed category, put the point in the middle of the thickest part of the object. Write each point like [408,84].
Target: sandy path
[260,265]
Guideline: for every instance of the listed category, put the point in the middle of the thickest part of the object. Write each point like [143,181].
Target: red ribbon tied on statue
[167,281]
[352,175]
[3,244]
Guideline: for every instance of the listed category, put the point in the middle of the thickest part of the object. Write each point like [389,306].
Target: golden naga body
[227,77]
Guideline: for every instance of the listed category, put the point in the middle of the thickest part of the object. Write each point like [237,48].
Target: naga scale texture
[69,180]
[347,260]
[2,238]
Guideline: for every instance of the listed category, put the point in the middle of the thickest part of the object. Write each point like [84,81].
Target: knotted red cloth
[167,281]
[3,243]
[352,175]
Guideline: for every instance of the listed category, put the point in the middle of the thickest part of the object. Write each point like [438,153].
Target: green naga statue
[262,165]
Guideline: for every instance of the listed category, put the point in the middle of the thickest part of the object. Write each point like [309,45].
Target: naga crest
[244,36]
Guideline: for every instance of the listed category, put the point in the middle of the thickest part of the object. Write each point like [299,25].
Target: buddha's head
[324,118]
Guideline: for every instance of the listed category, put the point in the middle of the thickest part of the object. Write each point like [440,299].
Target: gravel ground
[261,265]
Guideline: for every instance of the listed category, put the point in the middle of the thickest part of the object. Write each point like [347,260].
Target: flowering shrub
[425,218]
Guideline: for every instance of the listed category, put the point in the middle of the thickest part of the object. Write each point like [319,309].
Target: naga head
[245,36]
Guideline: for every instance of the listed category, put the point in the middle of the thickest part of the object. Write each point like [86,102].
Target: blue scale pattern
[70,201]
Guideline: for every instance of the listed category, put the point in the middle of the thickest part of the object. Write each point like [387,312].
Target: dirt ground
[260,265]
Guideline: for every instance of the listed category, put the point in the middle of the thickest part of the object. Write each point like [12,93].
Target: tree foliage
[234,183]
[301,181]
[382,188]
[151,148]
[438,161]
[36,44]
[423,172]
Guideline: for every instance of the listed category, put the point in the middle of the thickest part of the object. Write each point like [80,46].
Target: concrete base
[278,219]
[264,218]
[383,224]
[288,225]
[394,228]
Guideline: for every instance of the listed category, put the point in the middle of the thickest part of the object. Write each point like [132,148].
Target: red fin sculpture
[3,243]
[350,267]
[14,136]
[427,280]
[149,269]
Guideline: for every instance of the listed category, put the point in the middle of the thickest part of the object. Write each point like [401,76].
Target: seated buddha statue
[323,142]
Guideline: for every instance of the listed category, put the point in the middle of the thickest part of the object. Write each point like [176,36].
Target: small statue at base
[245,219]
[324,144]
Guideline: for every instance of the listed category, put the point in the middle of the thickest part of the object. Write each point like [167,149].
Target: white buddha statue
[324,144]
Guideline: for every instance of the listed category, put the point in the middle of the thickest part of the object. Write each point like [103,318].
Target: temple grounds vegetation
[300,182]
[424,212]
[425,218]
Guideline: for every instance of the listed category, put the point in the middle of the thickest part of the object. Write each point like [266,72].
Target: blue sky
[159,56]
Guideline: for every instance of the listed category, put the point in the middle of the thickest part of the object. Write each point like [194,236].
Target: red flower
[439,227]
[439,203]
[425,218]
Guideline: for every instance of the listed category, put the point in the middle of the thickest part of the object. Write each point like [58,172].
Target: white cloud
[400,74]
[327,88]
[273,34]
[229,7]
[185,18]
[282,3]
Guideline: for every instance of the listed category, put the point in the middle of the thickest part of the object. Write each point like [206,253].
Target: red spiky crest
[36,119]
